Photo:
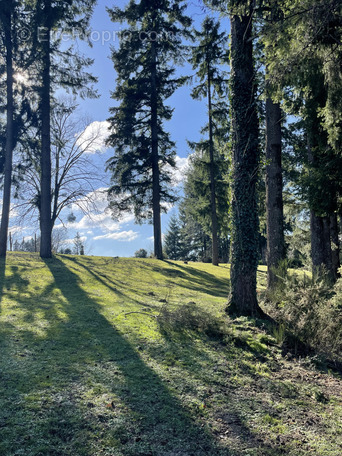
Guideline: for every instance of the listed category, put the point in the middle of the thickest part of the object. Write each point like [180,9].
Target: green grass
[103,356]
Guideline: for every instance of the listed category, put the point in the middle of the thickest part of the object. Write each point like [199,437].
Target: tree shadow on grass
[14,281]
[109,283]
[154,413]
[81,356]
[77,387]
[157,424]
[197,280]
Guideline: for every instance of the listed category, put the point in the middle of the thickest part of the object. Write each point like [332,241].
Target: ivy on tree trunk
[245,131]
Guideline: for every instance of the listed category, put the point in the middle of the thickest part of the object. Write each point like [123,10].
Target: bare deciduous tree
[75,176]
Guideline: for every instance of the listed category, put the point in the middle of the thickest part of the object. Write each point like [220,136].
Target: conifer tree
[197,192]
[196,242]
[57,69]
[145,66]
[8,11]
[18,100]
[208,56]
[173,240]
[304,58]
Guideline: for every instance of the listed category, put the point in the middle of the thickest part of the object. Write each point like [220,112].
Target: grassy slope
[82,374]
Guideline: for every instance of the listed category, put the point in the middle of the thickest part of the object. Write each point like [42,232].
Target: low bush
[141,253]
[310,312]
[190,317]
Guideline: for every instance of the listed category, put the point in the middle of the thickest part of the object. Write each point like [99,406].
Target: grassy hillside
[103,356]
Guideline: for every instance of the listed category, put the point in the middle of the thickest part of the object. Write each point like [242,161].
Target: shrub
[141,253]
[310,310]
[190,317]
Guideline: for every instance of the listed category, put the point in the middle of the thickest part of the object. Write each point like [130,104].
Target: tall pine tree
[208,56]
[197,193]
[145,66]
[7,15]
[304,59]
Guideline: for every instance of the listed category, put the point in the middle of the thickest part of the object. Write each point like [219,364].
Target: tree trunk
[321,253]
[158,250]
[245,129]
[6,203]
[274,192]
[45,158]
[317,245]
[215,253]
[335,245]
[327,246]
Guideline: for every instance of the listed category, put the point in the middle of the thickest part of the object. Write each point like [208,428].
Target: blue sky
[101,234]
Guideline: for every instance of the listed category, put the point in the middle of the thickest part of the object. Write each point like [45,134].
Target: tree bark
[317,245]
[158,250]
[335,245]
[321,253]
[245,129]
[327,246]
[6,203]
[45,157]
[215,252]
[274,192]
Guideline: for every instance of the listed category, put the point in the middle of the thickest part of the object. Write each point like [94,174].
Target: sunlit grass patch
[119,356]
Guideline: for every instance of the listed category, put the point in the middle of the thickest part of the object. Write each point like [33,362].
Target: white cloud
[93,138]
[127,236]
[102,221]
[96,201]
[177,174]
[98,217]
[97,214]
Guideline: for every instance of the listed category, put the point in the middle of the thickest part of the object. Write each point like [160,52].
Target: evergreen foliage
[144,152]
[173,241]
[207,58]
[196,203]
[307,85]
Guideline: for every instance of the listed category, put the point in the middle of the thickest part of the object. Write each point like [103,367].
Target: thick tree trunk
[274,192]
[6,202]
[321,253]
[317,244]
[327,246]
[335,245]
[45,158]
[158,250]
[245,129]
[215,252]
